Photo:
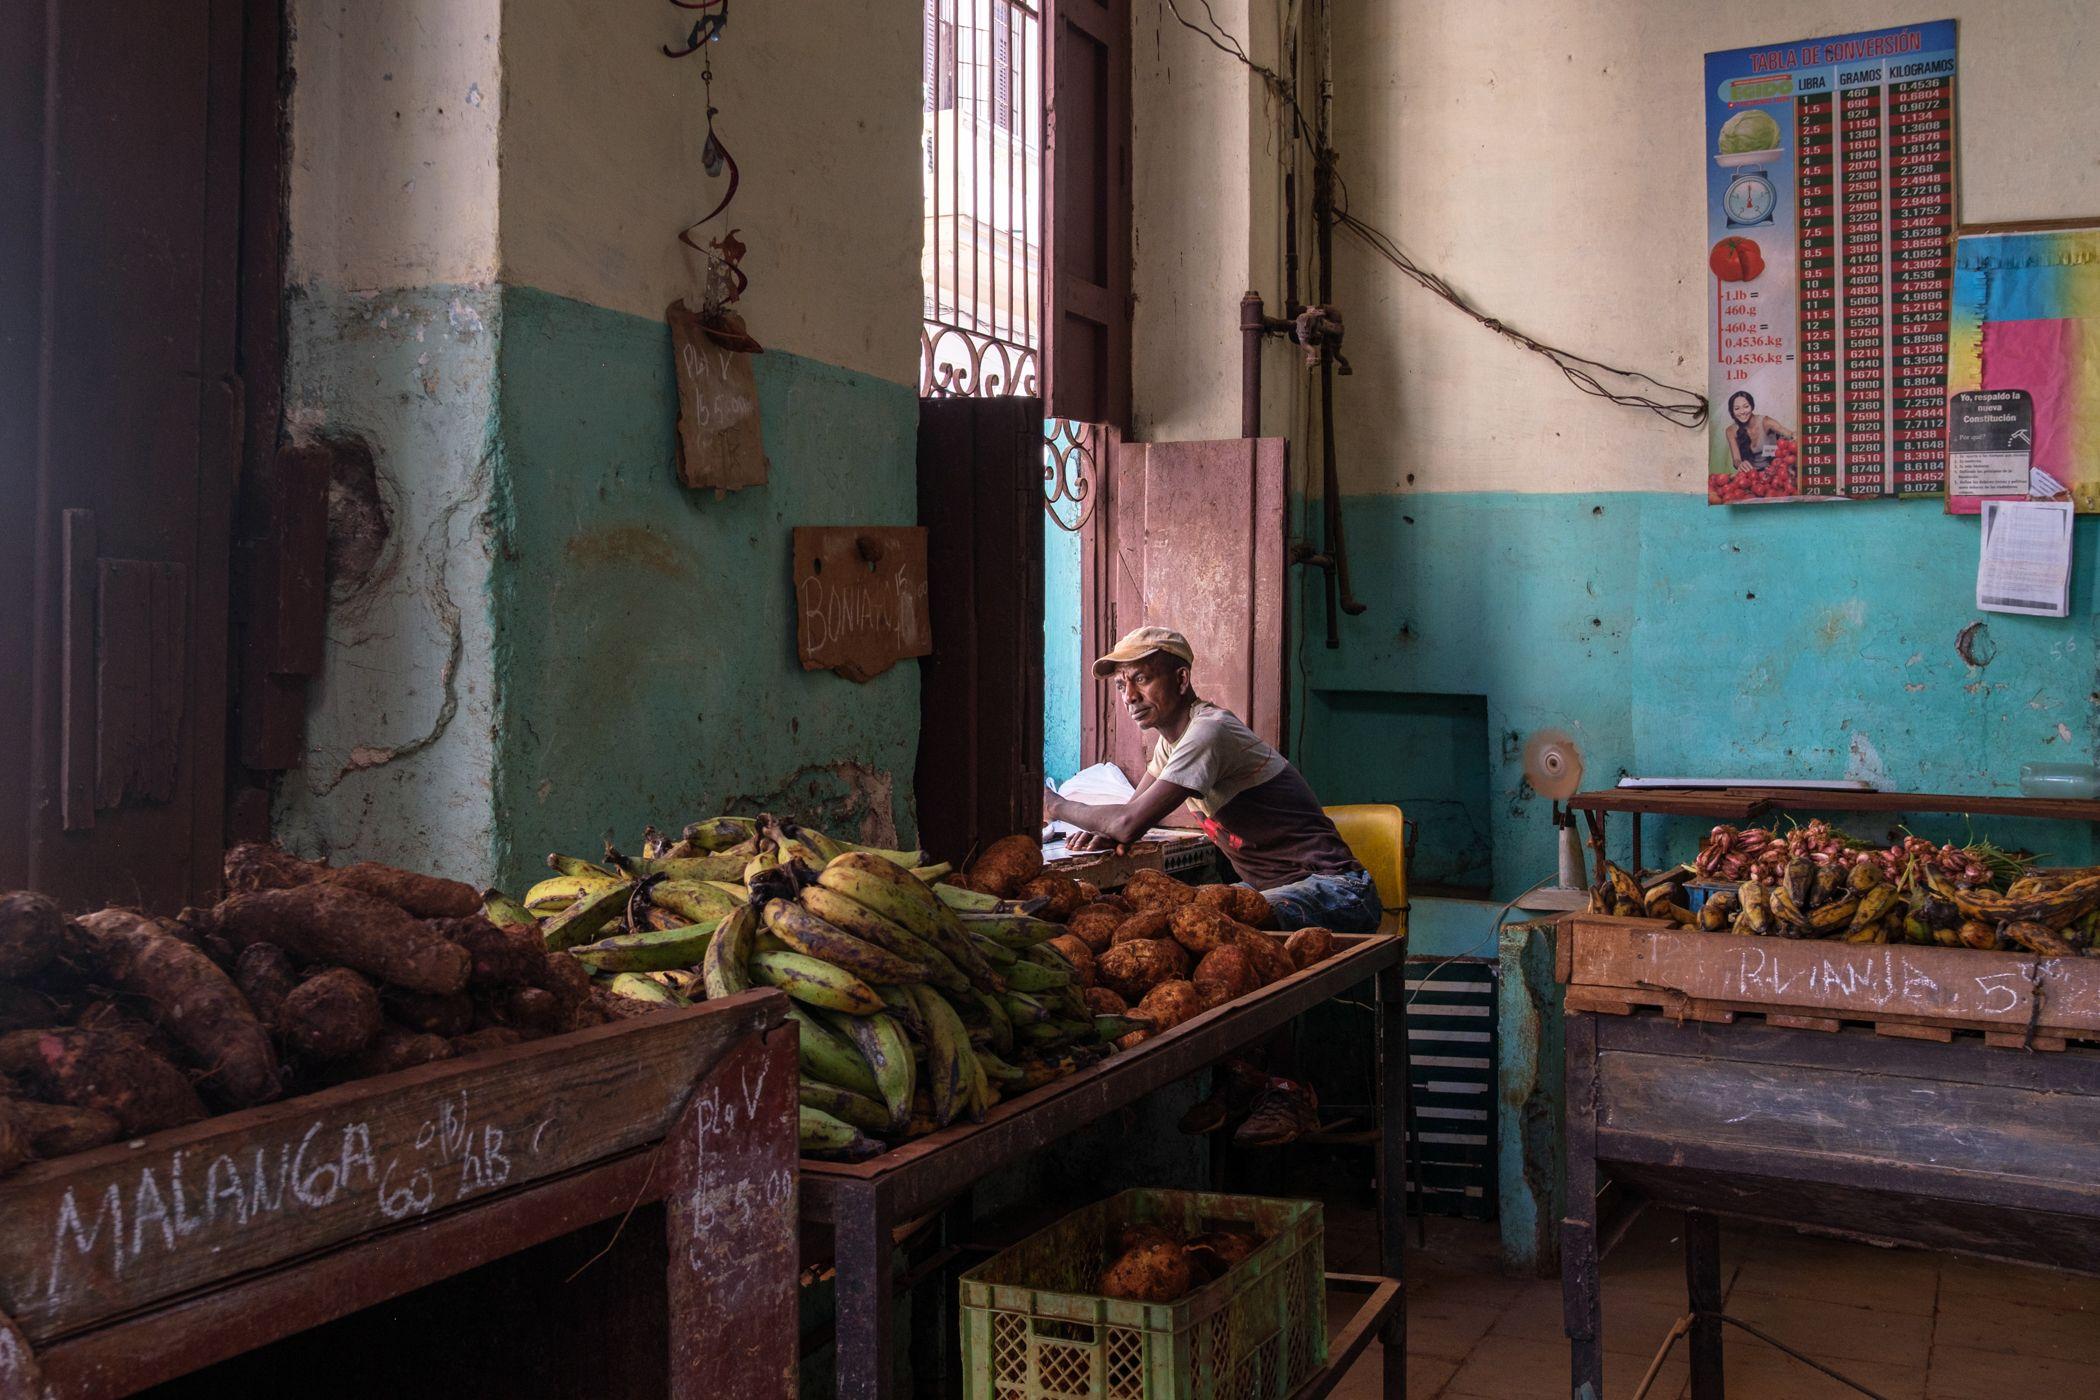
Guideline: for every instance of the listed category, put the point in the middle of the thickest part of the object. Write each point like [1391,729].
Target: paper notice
[2024,565]
[1990,442]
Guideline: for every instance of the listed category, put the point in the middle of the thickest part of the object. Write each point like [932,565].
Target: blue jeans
[1339,903]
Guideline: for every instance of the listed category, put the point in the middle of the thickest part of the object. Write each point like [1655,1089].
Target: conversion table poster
[1830,232]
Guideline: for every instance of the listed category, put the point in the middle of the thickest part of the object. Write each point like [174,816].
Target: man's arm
[1125,822]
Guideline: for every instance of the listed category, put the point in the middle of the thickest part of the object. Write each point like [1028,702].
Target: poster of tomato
[1830,265]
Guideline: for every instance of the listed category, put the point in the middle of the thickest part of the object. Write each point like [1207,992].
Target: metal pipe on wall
[1323,220]
[1254,324]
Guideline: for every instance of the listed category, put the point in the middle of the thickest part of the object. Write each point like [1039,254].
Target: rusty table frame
[865,1202]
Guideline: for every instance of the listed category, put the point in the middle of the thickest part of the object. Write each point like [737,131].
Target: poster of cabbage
[1830,265]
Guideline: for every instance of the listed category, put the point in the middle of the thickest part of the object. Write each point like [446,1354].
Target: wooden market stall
[864,1203]
[1942,1097]
[145,1261]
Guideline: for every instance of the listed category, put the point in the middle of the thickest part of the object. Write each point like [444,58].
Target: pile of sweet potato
[1171,951]
[116,1024]
[1153,1264]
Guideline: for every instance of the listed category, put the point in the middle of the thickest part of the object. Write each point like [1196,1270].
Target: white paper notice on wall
[2024,565]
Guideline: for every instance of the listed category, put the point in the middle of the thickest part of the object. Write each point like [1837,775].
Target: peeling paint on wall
[1841,666]
[645,658]
[399,755]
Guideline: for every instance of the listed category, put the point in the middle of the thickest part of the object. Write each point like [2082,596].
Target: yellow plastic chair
[1376,834]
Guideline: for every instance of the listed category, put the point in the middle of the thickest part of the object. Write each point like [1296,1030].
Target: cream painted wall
[1544,156]
[821,103]
[394,112]
[1192,230]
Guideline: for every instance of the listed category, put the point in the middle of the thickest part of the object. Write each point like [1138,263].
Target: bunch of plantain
[2048,913]
[918,1003]
[1654,896]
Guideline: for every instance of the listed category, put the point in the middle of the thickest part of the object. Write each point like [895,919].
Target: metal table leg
[1392,1169]
[937,1341]
[1702,1281]
[863,1252]
[1582,1305]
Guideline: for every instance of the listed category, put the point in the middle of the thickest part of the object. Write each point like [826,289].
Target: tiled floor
[1906,1324]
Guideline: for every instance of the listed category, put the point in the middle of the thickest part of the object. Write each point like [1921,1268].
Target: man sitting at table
[1256,806]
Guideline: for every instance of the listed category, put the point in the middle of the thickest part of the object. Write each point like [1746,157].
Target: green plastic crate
[1033,1328]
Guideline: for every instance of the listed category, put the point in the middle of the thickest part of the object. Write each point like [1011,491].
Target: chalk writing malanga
[191,1200]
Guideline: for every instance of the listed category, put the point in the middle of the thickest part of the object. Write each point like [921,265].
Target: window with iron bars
[983,180]
[982,259]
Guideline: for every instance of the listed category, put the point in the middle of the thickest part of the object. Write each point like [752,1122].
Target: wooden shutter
[980,768]
[929,52]
[120,224]
[1086,83]
[1190,535]
[1002,65]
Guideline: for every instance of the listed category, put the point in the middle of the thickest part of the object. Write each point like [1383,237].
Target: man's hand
[1088,841]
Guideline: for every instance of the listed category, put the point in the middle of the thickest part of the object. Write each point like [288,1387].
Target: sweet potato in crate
[1035,1325]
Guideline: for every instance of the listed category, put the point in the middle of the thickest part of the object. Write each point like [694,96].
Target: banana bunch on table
[918,1003]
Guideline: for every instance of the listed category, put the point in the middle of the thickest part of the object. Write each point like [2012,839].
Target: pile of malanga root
[117,1024]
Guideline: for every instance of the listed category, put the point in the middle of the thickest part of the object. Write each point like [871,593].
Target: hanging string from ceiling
[727,280]
[1674,403]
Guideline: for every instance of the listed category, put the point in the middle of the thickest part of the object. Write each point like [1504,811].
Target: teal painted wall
[1670,637]
[397,383]
[645,658]
[1063,665]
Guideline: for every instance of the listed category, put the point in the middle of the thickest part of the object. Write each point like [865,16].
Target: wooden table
[865,1202]
[132,1265]
[1957,1146]
[1738,805]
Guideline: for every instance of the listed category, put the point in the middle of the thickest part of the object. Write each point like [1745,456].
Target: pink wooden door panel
[1190,535]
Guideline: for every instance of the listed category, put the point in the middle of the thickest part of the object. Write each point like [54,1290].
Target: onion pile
[1760,854]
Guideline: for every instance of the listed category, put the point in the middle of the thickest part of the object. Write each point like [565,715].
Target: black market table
[865,1202]
[1954,1145]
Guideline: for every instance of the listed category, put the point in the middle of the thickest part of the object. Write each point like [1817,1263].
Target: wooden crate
[2015,999]
[198,1243]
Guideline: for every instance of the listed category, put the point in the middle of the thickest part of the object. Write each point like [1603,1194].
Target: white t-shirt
[1217,757]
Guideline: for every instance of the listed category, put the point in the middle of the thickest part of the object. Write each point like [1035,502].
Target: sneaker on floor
[1284,1110]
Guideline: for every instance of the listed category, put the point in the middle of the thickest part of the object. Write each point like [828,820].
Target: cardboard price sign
[860,598]
[720,444]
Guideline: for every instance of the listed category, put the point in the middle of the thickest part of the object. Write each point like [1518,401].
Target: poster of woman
[1762,454]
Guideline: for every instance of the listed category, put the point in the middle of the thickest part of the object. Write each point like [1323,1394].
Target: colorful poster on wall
[1830,233]
[2024,352]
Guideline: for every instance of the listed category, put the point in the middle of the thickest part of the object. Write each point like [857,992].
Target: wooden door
[121,412]
[1087,245]
[980,768]
[1190,535]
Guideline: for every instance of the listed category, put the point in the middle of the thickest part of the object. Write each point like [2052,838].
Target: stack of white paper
[2025,561]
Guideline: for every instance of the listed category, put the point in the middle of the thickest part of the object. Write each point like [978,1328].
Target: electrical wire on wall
[1627,388]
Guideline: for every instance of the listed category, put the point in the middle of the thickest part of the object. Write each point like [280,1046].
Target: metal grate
[1451,1041]
[983,188]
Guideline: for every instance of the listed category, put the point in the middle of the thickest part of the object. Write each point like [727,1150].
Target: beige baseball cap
[1142,643]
